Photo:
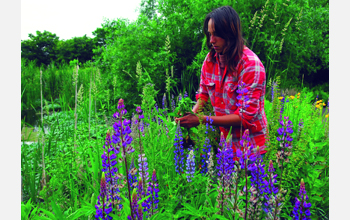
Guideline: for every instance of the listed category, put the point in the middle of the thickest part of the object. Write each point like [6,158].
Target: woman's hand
[188,121]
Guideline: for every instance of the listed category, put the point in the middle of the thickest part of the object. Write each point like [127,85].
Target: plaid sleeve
[202,91]
[253,76]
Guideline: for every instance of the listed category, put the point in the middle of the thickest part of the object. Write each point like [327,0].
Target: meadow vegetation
[122,102]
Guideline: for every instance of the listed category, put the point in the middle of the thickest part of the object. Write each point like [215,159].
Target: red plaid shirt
[221,88]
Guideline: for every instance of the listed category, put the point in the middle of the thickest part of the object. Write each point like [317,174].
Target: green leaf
[219,217]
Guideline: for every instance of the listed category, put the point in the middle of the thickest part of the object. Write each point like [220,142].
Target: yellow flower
[319,101]
[327,115]
[280,98]
[298,96]
[291,97]
[324,104]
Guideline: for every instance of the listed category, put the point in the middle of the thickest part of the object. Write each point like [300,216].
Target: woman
[229,66]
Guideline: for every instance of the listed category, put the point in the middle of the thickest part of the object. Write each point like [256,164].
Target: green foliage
[162,53]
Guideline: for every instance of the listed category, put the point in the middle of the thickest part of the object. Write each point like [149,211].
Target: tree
[41,48]
[76,48]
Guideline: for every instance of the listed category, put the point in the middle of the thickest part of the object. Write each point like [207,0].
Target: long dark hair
[227,26]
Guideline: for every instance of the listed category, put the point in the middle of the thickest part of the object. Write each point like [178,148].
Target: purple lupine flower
[173,103]
[246,146]
[109,162]
[104,205]
[151,204]
[270,189]
[141,116]
[164,102]
[225,157]
[138,110]
[155,105]
[285,140]
[179,151]
[180,97]
[301,209]
[242,98]
[185,95]
[257,184]
[140,190]
[132,174]
[190,166]
[143,168]
[134,204]
[121,137]
[221,156]
[205,155]
[282,107]
[258,173]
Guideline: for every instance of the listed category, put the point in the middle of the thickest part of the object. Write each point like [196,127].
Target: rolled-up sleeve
[253,78]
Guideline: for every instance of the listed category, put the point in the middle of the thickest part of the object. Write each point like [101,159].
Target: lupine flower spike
[143,165]
[104,205]
[109,162]
[301,209]
[151,204]
[190,166]
[178,150]
[270,192]
[257,187]
[121,137]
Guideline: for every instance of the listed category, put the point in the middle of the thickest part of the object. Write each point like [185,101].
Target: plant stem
[90,104]
[42,124]
[75,110]
[126,164]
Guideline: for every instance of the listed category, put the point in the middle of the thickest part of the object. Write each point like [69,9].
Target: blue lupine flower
[205,155]
[164,102]
[109,162]
[301,208]
[282,106]
[270,189]
[151,204]
[172,103]
[121,137]
[258,173]
[104,205]
[180,97]
[225,160]
[122,130]
[185,95]
[190,166]
[242,98]
[178,150]
[132,174]
[140,189]
[246,146]
[285,139]
[143,168]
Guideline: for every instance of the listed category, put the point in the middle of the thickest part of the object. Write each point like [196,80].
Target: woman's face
[218,43]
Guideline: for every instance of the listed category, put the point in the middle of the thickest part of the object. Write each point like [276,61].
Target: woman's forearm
[224,121]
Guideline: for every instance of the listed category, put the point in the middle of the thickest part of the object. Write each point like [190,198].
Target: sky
[72,18]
